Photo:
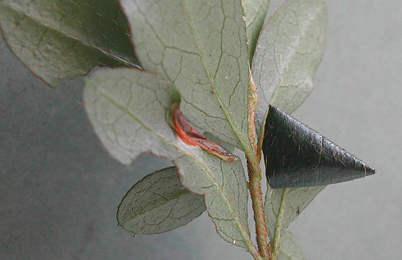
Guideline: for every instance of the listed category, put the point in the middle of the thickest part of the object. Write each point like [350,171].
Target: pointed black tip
[370,170]
[298,156]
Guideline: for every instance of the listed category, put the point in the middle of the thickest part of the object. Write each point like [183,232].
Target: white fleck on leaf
[296,200]
[290,248]
[199,46]
[59,39]
[129,110]
[159,203]
[288,52]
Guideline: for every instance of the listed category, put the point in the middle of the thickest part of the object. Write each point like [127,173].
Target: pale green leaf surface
[290,248]
[296,200]
[254,11]
[59,39]
[159,203]
[287,55]
[129,110]
[200,46]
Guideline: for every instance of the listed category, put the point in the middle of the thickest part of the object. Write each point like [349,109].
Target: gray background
[59,189]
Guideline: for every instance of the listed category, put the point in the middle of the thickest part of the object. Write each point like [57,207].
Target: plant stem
[278,226]
[254,171]
[259,213]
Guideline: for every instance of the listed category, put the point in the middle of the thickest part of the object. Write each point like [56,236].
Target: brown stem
[254,171]
[259,213]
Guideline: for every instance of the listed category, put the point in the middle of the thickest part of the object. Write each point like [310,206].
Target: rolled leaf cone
[298,156]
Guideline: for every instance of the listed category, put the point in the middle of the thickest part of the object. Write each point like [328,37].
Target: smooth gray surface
[59,189]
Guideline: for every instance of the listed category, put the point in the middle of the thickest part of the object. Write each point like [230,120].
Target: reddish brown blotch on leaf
[189,135]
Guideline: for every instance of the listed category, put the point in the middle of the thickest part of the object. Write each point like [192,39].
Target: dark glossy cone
[297,156]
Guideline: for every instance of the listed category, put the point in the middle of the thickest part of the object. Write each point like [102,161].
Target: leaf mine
[130,110]
[189,134]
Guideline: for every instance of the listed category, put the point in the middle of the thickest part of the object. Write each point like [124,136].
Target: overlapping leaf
[291,200]
[200,46]
[129,110]
[59,39]
[254,11]
[158,203]
[287,55]
[290,248]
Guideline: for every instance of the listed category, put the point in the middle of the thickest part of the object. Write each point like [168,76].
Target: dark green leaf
[159,203]
[59,39]
[300,157]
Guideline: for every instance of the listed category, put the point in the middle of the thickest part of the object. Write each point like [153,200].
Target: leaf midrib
[216,92]
[161,204]
[201,165]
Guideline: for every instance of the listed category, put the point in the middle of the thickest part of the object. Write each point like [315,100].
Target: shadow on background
[59,189]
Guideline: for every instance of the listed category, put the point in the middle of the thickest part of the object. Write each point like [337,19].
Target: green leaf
[290,248]
[201,47]
[59,39]
[129,110]
[287,55]
[158,203]
[255,11]
[292,201]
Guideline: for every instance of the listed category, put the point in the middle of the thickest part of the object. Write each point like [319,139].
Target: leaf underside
[199,46]
[255,12]
[290,248]
[297,199]
[59,39]
[129,111]
[288,52]
[209,65]
[158,203]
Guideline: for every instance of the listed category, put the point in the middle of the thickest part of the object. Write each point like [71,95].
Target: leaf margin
[100,56]
[166,173]
[243,227]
